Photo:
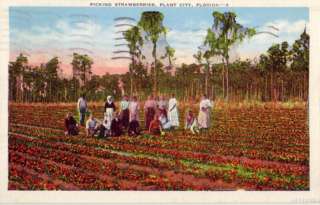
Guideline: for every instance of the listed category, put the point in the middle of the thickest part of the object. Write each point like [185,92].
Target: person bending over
[71,126]
[191,123]
[155,126]
[104,130]
[134,128]
[116,126]
[165,123]
[92,126]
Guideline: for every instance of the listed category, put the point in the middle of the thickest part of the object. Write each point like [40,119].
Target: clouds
[288,31]
[286,27]
[61,35]
[187,40]
[65,37]
[70,27]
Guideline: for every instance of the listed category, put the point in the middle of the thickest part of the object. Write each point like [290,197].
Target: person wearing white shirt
[82,108]
[109,109]
[92,126]
[124,112]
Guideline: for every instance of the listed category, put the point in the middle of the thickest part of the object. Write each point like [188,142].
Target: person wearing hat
[109,109]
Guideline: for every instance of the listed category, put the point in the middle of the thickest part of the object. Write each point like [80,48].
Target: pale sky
[45,32]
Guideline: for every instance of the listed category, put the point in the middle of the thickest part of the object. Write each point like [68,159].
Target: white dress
[204,113]
[173,116]
[165,123]
[108,118]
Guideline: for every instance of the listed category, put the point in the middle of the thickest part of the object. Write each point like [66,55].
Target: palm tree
[152,24]
[229,32]
[133,36]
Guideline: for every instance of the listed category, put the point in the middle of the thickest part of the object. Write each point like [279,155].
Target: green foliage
[51,77]
[133,37]
[16,73]
[169,53]
[212,41]
[225,32]
[151,23]
[300,53]
[143,81]
[280,73]
[276,59]
[81,64]
[228,32]
[199,57]
[135,40]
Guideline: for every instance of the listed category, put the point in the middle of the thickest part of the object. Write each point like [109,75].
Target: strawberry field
[247,148]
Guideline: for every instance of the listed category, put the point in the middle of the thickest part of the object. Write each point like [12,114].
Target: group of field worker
[160,115]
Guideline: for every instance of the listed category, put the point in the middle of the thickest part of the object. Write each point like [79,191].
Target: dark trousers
[125,118]
[73,130]
[82,115]
[102,131]
[134,129]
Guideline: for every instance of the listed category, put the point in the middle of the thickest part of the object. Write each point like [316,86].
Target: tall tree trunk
[131,77]
[155,79]
[227,79]
[306,86]
[282,90]
[247,91]
[22,88]
[223,74]
[191,93]
[50,88]
[84,76]
[271,86]
[251,92]
[206,79]
[266,88]
[212,86]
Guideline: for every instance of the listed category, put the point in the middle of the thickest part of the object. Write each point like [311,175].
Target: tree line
[280,74]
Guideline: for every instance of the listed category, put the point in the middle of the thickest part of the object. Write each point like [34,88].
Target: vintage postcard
[159,101]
